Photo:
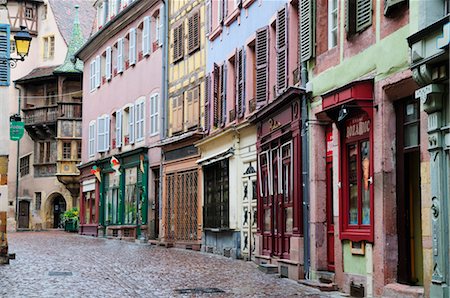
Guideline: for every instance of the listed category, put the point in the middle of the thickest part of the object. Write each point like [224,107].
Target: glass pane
[412,135]
[267,220]
[365,191]
[411,112]
[288,219]
[353,184]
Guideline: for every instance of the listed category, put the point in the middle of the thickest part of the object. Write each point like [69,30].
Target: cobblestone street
[58,264]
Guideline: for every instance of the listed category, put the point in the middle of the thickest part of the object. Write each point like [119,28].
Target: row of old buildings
[311,137]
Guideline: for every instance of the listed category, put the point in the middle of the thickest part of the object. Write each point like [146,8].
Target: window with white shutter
[131,126]
[132,47]
[107,135]
[4,54]
[282,49]
[101,134]
[108,63]
[262,65]
[306,29]
[92,76]
[119,128]
[146,37]
[120,43]
[91,139]
[332,23]
[208,17]
[154,112]
[140,117]
[97,71]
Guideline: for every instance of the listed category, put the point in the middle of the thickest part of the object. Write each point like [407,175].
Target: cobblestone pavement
[94,267]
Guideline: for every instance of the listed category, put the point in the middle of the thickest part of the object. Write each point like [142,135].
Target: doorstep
[403,291]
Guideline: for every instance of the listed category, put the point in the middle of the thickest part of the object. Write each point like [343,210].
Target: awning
[216,157]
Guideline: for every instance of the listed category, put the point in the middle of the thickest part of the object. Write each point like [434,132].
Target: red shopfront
[279,177]
[89,202]
[351,109]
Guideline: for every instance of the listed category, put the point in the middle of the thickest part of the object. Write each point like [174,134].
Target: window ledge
[247,3]
[232,17]
[357,235]
[215,33]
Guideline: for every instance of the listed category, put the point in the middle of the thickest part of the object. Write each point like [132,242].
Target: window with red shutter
[282,49]
[207,103]
[240,82]
[262,57]
[216,95]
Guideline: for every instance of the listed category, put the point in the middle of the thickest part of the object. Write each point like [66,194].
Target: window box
[115,71]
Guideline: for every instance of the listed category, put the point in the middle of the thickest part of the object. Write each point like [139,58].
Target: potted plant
[70,220]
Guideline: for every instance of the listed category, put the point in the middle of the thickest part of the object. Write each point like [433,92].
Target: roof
[63,10]
[36,73]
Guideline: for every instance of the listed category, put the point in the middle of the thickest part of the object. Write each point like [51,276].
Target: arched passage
[56,206]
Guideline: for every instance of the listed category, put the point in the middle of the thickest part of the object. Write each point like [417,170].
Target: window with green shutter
[359,15]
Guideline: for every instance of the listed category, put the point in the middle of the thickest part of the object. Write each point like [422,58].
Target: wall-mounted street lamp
[22,40]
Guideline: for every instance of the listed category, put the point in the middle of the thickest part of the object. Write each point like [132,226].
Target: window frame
[154,114]
[332,16]
[24,165]
[91,139]
[64,150]
[139,119]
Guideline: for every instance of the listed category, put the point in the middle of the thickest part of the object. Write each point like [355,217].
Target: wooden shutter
[91,145]
[131,125]
[106,135]
[120,55]
[223,97]
[178,42]
[195,105]
[216,90]
[181,40]
[363,14]
[240,78]
[4,54]
[306,29]
[146,37]
[108,63]
[119,128]
[262,57]
[97,71]
[207,103]
[194,32]
[132,46]
[177,112]
[282,49]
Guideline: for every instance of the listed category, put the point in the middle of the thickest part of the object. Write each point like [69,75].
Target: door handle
[370,180]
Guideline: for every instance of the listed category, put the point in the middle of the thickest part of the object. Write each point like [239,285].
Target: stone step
[325,277]
[324,287]
[268,268]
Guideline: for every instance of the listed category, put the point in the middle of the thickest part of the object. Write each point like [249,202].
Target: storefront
[89,203]
[279,184]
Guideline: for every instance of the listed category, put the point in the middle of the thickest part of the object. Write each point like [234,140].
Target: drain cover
[199,291]
[60,273]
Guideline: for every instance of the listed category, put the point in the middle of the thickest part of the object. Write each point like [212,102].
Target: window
[219,95]
[120,58]
[131,124]
[216,212]
[262,57]
[24,165]
[100,14]
[49,47]
[154,107]
[359,15]
[177,113]
[38,200]
[146,37]
[140,117]
[91,143]
[92,76]
[44,12]
[97,71]
[158,29]
[240,82]
[132,47]
[332,23]
[178,42]
[192,102]
[194,32]
[207,103]
[108,66]
[112,203]
[113,9]
[78,149]
[103,133]
[67,150]
[29,13]
[131,195]
[42,152]
[220,8]
[89,207]
[208,18]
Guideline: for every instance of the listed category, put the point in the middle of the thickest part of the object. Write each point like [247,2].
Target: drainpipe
[305,170]
[17,160]
[163,104]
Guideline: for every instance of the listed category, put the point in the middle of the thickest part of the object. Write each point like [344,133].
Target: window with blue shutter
[91,149]
[97,72]
[4,54]
[120,43]
[131,124]
[119,128]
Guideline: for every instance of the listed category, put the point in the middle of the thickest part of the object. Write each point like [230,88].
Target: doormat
[199,291]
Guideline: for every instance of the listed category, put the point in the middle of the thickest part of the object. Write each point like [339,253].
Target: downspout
[163,104]
[17,160]
[305,170]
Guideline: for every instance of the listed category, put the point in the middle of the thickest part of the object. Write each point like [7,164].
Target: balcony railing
[42,115]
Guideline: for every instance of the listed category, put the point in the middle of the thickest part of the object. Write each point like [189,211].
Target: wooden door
[249,211]
[24,214]
[330,220]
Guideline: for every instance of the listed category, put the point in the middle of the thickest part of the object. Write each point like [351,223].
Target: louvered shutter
[240,81]
[306,29]
[97,71]
[216,86]
[120,55]
[220,4]
[92,75]
[4,54]
[262,55]
[100,134]
[175,43]
[225,8]
[195,105]
[91,149]
[244,75]
[194,32]
[282,49]
[107,136]
[137,121]
[108,63]
[223,117]
[363,14]
[132,47]
[181,40]
[208,17]
[207,103]
[131,124]
[177,113]
[146,36]
[119,128]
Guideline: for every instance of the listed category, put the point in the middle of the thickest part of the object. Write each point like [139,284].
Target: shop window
[24,165]
[112,184]
[131,195]
[216,212]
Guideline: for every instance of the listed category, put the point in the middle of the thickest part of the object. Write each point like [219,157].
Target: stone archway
[56,205]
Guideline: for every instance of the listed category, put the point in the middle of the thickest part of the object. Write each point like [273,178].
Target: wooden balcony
[40,115]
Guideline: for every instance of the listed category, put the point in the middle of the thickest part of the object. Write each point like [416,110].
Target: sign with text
[16,130]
